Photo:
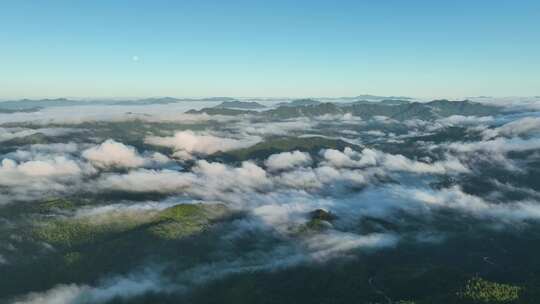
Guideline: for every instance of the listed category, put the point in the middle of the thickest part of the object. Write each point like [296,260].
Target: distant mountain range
[299,103]
[399,108]
[236,104]
[392,108]
[28,105]
[36,104]
[375,97]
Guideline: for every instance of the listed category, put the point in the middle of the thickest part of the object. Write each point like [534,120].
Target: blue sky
[269,48]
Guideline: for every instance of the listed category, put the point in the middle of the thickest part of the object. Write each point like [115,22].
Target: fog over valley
[258,200]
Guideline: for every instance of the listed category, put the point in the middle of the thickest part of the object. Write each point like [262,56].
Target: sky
[185,48]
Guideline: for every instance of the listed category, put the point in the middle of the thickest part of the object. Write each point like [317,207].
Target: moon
[135,58]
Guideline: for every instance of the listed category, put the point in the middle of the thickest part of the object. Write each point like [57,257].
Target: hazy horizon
[202,97]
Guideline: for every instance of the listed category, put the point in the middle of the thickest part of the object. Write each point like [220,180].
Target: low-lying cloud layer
[359,186]
[186,143]
[113,154]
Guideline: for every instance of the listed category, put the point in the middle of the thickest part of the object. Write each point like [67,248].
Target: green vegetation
[285,112]
[37,138]
[321,214]
[396,109]
[482,291]
[56,204]
[47,241]
[22,110]
[319,220]
[72,232]
[315,225]
[239,105]
[72,258]
[172,223]
[300,103]
[184,220]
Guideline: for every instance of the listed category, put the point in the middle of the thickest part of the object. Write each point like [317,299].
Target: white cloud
[455,198]
[317,178]
[113,154]
[287,160]
[497,145]
[119,209]
[61,294]
[143,180]
[523,126]
[174,112]
[303,178]
[276,128]
[377,133]
[464,120]
[327,245]
[370,157]
[207,180]
[121,287]
[276,198]
[13,173]
[350,158]
[384,119]
[401,163]
[513,102]
[191,142]
[339,118]
[158,158]
[217,176]
[44,175]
